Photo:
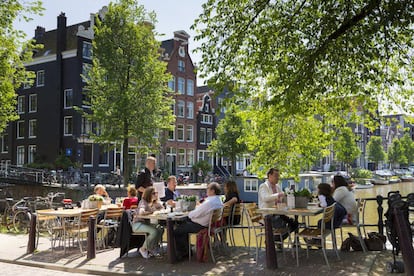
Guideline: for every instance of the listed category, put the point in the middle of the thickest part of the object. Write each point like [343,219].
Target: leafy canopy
[375,150]
[346,149]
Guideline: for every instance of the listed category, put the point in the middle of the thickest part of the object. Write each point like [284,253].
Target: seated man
[197,219]
[269,194]
[170,193]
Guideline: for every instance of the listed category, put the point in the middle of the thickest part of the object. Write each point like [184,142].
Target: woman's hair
[147,196]
[339,181]
[325,189]
[98,187]
[132,191]
[231,187]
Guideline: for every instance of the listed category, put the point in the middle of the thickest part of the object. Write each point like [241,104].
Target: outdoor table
[271,259]
[170,219]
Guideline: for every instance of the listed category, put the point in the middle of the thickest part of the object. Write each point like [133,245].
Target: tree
[228,142]
[308,58]
[14,51]
[346,149]
[396,153]
[202,165]
[408,146]
[375,150]
[126,87]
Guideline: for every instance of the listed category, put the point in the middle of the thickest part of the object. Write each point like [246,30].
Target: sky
[172,15]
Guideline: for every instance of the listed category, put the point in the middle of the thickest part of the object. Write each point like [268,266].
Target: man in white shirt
[198,219]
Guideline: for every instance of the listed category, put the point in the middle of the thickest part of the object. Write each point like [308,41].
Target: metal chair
[111,220]
[237,212]
[359,223]
[80,226]
[310,235]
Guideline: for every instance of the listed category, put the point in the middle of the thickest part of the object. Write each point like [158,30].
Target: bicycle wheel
[8,218]
[21,222]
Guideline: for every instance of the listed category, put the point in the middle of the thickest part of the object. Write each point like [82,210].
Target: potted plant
[188,203]
[302,198]
[95,201]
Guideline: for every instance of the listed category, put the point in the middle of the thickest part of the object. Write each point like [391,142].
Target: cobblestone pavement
[8,269]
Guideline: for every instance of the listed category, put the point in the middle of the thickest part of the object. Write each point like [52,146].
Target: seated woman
[345,196]
[232,197]
[132,198]
[147,205]
[326,199]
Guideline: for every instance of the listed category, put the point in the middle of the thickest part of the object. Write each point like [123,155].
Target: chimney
[61,33]
[39,32]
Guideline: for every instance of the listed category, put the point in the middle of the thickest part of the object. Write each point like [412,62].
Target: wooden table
[170,220]
[271,259]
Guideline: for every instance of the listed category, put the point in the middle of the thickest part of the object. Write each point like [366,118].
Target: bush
[360,173]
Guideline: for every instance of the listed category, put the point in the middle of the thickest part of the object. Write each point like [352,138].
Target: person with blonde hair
[101,191]
[132,198]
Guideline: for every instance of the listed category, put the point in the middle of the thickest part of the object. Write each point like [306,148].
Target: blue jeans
[154,234]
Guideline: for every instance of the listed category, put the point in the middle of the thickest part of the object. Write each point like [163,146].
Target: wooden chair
[358,224]
[237,211]
[220,231]
[310,235]
[80,226]
[111,220]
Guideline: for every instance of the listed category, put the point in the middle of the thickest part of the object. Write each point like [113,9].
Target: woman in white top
[343,195]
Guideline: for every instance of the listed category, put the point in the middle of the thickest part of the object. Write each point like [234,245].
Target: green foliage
[408,147]
[345,147]
[63,162]
[375,149]
[396,153]
[304,192]
[126,87]
[203,165]
[360,173]
[14,51]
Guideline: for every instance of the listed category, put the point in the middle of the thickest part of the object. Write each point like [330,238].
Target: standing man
[170,193]
[269,194]
[145,178]
[197,219]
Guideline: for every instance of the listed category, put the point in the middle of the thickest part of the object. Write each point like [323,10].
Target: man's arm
[266,196]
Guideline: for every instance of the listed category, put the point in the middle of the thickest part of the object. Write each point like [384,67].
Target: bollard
[404,240]
[172,258]
[91,238]
[31,245]
[380,210]
[271,259]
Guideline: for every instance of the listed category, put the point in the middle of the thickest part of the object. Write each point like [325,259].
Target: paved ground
[236,262]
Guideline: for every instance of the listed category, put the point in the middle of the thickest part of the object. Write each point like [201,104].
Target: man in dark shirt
[170,193]
[145,178]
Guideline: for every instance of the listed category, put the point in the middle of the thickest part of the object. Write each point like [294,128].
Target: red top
[129,201]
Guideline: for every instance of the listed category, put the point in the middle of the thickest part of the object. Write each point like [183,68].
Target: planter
[301,202]
[95,204]
[188,205]
[291,201]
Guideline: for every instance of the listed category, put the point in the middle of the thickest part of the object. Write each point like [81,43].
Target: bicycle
[7,218]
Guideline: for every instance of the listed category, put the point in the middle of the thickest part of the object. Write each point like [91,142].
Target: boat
[404,174]
[364,184]
[381,177]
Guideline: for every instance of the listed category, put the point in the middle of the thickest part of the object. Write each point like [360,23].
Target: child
[326,199]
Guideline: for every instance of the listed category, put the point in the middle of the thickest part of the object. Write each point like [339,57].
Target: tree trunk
[233,166]
[125,155]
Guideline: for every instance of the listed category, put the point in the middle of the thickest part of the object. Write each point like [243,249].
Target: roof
[203,89]
[168,46]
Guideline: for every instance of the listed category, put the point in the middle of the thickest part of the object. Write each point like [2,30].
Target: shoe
[144,253]
[154,253]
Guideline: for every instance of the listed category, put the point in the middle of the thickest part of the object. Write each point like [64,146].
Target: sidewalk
[237,262]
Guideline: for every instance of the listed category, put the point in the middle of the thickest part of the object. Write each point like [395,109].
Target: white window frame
[18,134]
[189,133]
[203,130]
[40,78]
[83,158]
[31,109]
[181,109]
[173,134]
[31,150]
[181,65]
[171,83]
[66,120]
[190,110]
[20,104]
[20,155]
[181,157]
[89,48]
[107,156]
[180,128]
[207,119]
[190,87]
[65,103]
[32,128]
[190,157]
[86,67]
[251,185]
[3,147]
[181,86]
[86,126]
[209,132]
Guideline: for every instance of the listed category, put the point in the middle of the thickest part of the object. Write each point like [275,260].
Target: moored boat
[381,177]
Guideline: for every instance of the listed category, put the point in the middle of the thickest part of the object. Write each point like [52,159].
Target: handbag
[375,241]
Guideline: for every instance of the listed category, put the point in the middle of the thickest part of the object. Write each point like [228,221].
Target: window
[221,104]
[87,154]
[40,78]
[181,66]
[180,108]
[181,85]
[202,136]
[20,155]
[180,132]
[190,110]
[32,154]
[189,136]
[209,135]
[190,157]
[181,157]
[68,125]
[26,84]
[32,128]
[207,119]
[86,126]
[103,155]
[171,84]
[171,134]
[86,67]
[20,104]
[173,108]
[32,103]
[87,50]
[4,143]
[68,98]
[20,130]
[250,185]
[190,87]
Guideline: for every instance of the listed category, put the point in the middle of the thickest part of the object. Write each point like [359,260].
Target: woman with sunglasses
[147,205]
